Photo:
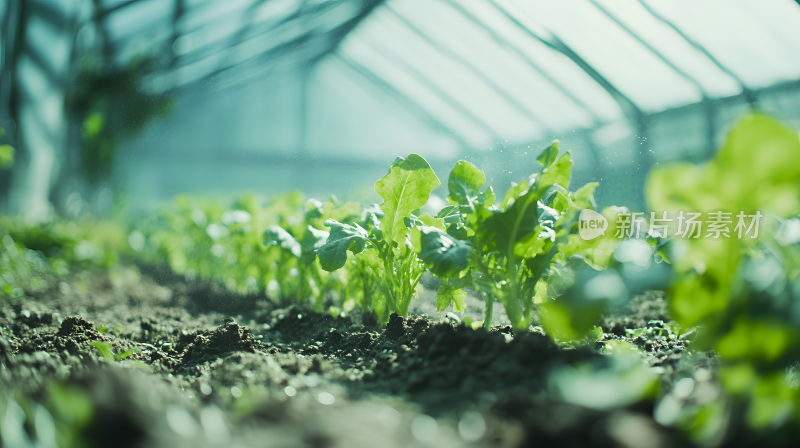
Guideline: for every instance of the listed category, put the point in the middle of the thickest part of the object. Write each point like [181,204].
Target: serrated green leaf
[458,231]
[584,197]
[430,221]
[550,194]
[343,237]
[548,156]
[412,221]
[448,211]
[313,240]
[407,187]
[513,193]
[561,202]
[547,215]
[447,295]
[371,258]
[275,235]
[465,182]
[530,246]
[373,225]
[348,212]
[558,173]
[517,222]
[487,197]
[445,255]
[315,209]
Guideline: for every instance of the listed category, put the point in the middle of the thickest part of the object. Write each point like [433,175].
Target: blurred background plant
[32,257]
[736,295]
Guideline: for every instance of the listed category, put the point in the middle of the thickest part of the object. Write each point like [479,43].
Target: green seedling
[127,353]
[104,348]
[392,264]
[114,329]
[505,253]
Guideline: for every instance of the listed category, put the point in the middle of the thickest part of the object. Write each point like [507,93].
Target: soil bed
[194,365]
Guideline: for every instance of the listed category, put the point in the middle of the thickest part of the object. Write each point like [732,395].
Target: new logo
[591,224]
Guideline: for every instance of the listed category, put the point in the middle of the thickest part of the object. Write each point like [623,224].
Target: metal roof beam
[531,63]
[629,108]
[266,55]
[447,98]
[278,51]
[241,34]
[658,54]
[338,34]
[474,70]
[749,94]
[221,45]
[342,30]
[412,106]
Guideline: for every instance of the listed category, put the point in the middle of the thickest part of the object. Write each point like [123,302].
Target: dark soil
[211,368]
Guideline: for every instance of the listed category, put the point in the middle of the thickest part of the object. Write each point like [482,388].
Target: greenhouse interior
[399,223]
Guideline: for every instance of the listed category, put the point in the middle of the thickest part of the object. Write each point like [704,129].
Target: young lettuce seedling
[404,189]
[303,253]
[508,250]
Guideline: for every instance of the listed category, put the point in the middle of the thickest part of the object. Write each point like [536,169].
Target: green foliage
[104,348]
[503,253]
[740,290]
[56,416]
[382,251]
[126,354]
[30,255]
[511,249]
[446,256]
[464,183]
[447,295]
[333,254]
[406,188]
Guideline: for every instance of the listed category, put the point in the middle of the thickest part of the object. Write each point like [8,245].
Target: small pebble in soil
[453,318]
[290,391]
[326,398]
[205,389]
[236,392]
